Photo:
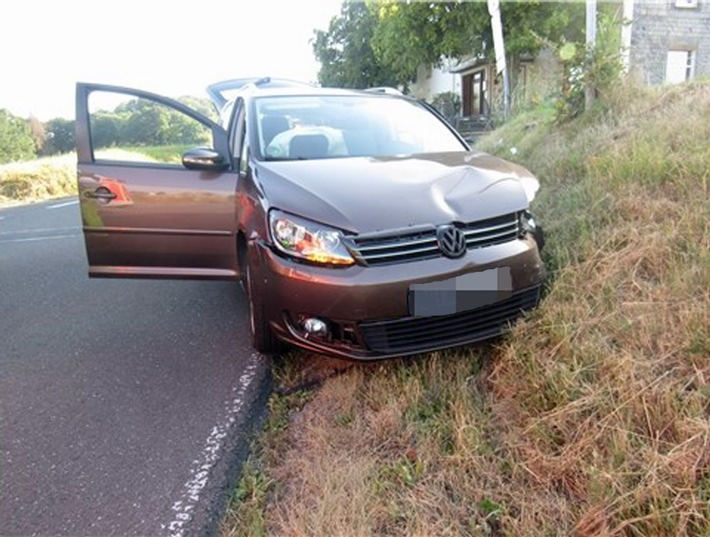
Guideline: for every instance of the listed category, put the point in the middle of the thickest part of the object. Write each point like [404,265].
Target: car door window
[131,129]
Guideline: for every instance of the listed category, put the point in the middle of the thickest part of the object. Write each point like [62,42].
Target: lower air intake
[413,334]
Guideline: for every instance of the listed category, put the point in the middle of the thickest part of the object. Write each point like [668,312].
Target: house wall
[431,81]
[659,26]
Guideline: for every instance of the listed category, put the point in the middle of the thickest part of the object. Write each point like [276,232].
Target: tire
[262,337]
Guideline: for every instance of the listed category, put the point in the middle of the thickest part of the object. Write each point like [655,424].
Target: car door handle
[101,193]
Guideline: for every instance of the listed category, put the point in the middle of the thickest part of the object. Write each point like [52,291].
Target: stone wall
[660,26]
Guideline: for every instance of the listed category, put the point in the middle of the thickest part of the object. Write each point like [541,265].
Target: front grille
[414,334]
[492,231]
[420,243]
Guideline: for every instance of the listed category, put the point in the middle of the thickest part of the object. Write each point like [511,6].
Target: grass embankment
[55,177]
[591,418]
[38,180]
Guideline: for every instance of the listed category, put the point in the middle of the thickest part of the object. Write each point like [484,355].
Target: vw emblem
[452,241]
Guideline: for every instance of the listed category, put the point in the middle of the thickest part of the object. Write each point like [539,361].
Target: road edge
[223,475]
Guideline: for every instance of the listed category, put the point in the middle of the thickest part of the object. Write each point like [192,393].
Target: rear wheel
[262,337]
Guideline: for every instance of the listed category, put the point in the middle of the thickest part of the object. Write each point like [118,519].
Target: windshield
[314,127]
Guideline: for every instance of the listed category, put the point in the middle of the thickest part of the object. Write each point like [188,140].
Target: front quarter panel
[253,206]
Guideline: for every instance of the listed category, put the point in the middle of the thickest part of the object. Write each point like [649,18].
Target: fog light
[315,326]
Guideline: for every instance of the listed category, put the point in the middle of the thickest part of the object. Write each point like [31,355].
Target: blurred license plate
[463,293]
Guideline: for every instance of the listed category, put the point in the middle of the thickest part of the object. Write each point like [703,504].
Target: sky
[171,48]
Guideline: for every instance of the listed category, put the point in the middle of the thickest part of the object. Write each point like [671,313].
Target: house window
[685,4]
[680,66]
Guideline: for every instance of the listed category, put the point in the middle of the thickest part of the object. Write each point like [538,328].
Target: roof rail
[384,89]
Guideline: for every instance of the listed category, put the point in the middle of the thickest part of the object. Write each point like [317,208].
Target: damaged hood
[370,194]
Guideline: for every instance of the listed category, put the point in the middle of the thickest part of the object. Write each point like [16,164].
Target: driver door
[151,204]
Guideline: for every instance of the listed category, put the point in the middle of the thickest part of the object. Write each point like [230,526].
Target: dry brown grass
[50,177]
[591,419]
[37,180]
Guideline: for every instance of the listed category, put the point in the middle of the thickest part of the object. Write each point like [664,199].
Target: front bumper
[366,308]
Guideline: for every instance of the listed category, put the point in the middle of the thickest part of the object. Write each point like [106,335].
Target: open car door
[156,185]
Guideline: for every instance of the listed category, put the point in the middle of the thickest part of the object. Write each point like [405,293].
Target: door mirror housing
[204,158]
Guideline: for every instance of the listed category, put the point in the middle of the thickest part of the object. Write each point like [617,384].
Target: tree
[201,104]
[39,133]
[148,124]
[16,142]
[185,130]
[408,35]
[144,122]
[345,50]
[60,136]
[106,129]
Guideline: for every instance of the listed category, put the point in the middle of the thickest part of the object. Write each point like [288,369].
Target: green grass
[592,417]
[160,153]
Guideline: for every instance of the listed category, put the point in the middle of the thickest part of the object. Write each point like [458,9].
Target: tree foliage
[410,34]
[39,133]
[392,39]
[60,136]
[16,142]
[601,67]
[345,50]
[140,122]
[135,122]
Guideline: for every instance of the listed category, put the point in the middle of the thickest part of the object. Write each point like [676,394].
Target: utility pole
[499,46]
[591,43]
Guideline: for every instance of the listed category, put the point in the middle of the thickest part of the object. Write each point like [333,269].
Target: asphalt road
[124,404]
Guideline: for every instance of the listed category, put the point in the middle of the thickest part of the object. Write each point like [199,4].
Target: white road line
[65,204]
[34,239]
[184,507]
[39,230]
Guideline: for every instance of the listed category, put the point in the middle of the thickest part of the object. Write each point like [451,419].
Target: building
[666,41]
[481,89]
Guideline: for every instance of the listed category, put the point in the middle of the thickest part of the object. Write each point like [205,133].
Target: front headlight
[530,186]
[308,240]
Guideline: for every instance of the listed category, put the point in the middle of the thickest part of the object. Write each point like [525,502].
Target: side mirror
[203,158]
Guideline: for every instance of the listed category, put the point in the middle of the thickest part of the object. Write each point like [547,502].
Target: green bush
[448,104]
[600,67]
[16,142]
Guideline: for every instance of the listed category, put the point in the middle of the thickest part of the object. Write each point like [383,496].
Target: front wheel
[262,337]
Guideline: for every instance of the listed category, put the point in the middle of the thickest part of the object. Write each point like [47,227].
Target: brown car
[360,222]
